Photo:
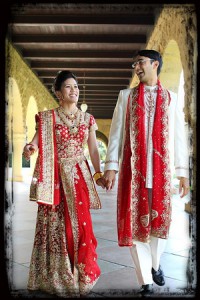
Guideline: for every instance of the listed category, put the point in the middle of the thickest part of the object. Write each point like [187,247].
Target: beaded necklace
[71,120]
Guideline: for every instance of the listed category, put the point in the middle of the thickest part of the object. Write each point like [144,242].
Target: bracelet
[97,175]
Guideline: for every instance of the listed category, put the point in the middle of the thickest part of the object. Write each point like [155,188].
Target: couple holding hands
[146,123]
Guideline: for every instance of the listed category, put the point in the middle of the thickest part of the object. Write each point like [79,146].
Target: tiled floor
[118,277]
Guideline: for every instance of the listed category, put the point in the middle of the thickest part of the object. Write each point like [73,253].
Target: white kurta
[150,95]
[177,144]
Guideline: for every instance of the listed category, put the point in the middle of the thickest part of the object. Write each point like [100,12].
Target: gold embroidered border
[94,198]
[134,145]
[166,215]
[45,189]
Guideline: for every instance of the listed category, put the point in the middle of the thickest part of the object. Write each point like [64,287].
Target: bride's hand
[101,182]
[28,150]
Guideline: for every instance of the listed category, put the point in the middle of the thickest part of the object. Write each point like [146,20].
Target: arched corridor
[106,65]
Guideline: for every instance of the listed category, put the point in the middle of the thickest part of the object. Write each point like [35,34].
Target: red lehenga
[64,258]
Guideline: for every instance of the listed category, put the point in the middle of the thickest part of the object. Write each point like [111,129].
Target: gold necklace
[72,124]
[70,115]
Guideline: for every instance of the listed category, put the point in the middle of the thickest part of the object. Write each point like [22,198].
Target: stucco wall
[28,83]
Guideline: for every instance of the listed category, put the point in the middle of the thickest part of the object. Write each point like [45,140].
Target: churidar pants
[147,255]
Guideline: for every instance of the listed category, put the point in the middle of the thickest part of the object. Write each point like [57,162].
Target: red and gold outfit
[134,208]
[64,259]
[127,153]
[146,129]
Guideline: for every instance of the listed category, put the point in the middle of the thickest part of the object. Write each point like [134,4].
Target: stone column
[18,144]
[188,205]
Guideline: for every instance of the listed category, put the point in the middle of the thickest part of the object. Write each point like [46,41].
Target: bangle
[97,175]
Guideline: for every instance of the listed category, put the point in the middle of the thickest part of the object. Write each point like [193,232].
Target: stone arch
[172,74]
[172,67]
[32,110]
[170,26]
[15,126]
[102,145]
[170,23]
[100,136]
[27,85]
[179,23]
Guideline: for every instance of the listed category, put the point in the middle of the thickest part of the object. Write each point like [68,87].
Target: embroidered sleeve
[92,124]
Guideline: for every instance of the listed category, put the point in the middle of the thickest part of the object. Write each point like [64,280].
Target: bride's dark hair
[60,78]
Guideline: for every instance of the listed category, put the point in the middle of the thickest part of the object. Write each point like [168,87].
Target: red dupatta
[135,221]
[47,190]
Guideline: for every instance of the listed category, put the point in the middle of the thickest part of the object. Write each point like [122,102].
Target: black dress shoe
[146,290]
[158,276]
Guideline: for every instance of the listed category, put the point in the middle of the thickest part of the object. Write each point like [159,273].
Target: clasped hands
[107,180]
[109,177]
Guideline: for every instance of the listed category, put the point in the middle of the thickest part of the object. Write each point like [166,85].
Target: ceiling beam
[28,54]
[78,38]
[65,19]
[90,74]
[59,65]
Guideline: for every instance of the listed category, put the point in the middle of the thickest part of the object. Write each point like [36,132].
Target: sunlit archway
[15,130]
[32,110]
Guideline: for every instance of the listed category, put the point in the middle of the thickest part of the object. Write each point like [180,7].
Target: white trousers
[147,255]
